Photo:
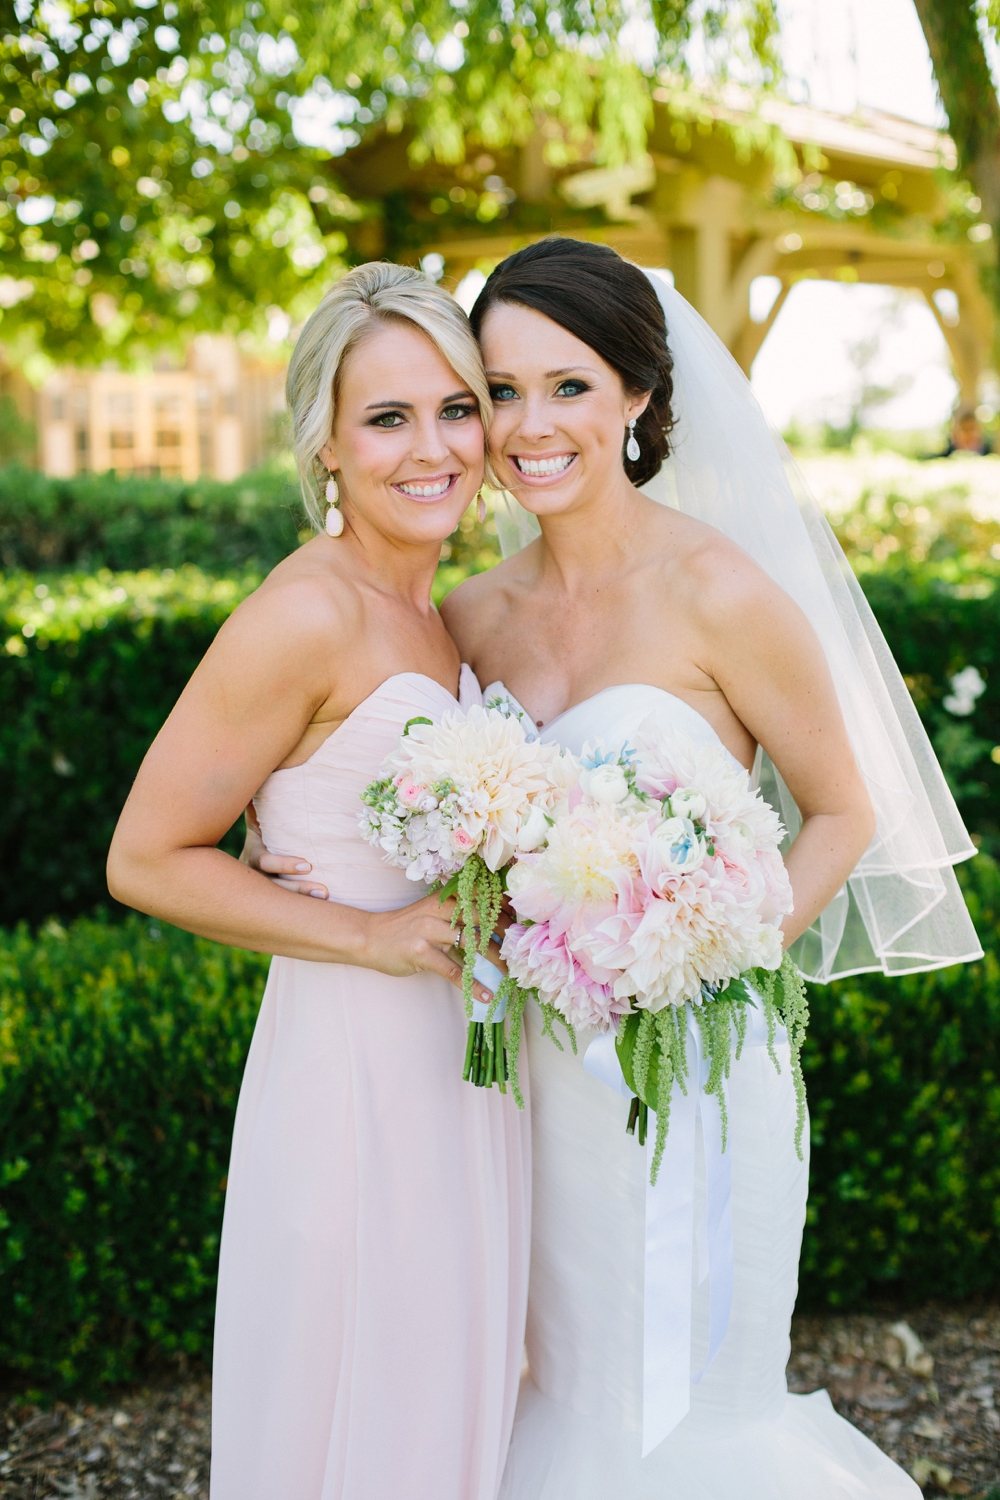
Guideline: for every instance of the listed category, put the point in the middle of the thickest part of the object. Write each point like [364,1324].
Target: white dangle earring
[480,508]
[334,515]
[632,449]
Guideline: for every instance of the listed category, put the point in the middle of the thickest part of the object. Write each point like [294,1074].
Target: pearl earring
[334,516]
[632,449]
[480,508]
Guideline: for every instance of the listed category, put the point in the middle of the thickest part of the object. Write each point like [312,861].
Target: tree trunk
[967,93]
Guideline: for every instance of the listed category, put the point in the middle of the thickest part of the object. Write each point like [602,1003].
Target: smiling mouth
[427,489]
[543,468]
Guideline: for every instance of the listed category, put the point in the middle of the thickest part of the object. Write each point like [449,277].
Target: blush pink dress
[374,1260]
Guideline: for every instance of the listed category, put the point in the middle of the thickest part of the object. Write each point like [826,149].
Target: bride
[725,614]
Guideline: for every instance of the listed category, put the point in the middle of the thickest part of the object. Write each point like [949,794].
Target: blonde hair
[367,296]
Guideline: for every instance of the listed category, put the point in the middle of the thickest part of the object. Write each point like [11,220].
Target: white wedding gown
[577,1433]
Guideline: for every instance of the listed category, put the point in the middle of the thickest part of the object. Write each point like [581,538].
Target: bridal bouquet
[654,903]
[456,801]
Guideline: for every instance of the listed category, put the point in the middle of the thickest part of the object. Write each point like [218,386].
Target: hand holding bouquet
[456,801]
[656,900]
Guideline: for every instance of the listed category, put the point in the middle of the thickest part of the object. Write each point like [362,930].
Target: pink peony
[541,959]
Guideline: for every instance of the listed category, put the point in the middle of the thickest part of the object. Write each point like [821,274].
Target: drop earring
[632,449]
[480,508]
[334,515]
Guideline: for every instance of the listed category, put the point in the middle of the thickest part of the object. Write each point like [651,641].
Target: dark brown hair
[610,305]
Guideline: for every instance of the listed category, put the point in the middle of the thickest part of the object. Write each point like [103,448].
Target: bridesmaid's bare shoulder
[305,606]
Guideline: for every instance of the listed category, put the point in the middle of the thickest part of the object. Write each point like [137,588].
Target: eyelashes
[567,388]
[389,420]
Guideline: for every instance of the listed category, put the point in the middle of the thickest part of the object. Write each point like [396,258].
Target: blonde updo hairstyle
[371,295]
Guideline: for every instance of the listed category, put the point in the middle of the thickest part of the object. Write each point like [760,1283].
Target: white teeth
[426,491]
[539,466]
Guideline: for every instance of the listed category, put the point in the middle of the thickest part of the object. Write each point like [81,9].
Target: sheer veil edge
[901,911]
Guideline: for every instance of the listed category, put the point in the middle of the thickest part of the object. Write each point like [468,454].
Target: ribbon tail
[666,1342]
[718,1225]
[601,1060]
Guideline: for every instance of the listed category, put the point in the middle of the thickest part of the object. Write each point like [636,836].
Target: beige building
[218,416]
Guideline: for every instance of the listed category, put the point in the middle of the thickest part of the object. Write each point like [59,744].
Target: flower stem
[470,1047]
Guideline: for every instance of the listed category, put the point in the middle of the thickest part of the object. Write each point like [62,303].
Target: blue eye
[503,392]
[573,387]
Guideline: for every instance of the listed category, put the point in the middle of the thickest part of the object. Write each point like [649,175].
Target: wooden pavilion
[729,192]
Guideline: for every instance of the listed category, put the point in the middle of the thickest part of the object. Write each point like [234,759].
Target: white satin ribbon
[673,1239]
[489,977]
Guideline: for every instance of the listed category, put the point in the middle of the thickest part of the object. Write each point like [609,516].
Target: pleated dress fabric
[374,1259]
[577,1434]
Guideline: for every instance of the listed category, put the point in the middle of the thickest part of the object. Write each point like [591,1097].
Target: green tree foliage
[171,165]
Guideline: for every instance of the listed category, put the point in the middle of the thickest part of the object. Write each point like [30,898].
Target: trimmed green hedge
[121,1052]
[90,666]
[939,618]
[903,1078]
[97,521]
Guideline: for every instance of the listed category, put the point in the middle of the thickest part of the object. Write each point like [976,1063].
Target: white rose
[678,845]
[533,831]
[767,948]
[605,784]
[519,877]
[688,802]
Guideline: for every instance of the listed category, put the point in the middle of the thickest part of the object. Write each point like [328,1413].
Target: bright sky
[838,55]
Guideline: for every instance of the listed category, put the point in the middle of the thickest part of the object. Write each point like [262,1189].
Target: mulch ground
[927,1393]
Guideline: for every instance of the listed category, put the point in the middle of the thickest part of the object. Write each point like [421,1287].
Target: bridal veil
[901,910]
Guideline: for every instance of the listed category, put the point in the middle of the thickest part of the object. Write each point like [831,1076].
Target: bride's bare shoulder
[713,572]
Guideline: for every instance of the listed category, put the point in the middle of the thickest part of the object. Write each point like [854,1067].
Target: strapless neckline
[615,687]
[375,693]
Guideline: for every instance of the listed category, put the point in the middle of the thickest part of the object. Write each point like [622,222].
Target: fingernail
[303,867]
[317,893]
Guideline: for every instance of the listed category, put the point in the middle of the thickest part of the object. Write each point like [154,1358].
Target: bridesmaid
[373,1268]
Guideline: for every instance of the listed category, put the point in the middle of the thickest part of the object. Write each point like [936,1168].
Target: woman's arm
[241,715]
[766,658]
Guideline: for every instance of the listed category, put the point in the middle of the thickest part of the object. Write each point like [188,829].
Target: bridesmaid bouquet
[654,903]
[455,803]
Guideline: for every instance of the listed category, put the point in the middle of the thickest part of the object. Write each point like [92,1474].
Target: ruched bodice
[373,1270]
[312,810]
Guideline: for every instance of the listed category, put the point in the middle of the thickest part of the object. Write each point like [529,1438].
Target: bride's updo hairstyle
[365,299]
[607,303]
